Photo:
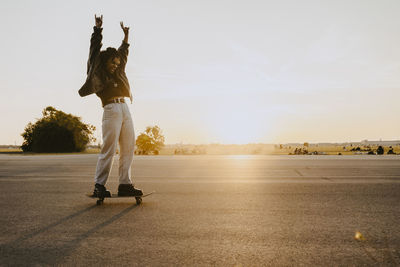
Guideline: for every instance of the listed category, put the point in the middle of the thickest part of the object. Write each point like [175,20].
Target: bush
[380,150]
[57,131]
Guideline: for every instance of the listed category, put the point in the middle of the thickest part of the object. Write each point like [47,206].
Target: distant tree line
[379,151]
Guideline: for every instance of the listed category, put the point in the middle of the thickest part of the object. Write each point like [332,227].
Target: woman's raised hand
[125,29]
[98,20]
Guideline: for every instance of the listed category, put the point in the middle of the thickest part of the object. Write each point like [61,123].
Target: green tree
[151,141]
[57,131]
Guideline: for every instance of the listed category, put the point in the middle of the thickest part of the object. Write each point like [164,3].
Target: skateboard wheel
[99,202]
[138,200]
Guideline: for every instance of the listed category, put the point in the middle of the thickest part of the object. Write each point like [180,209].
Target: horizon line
[262,143]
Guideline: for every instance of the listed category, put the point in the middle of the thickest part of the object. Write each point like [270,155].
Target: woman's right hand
[98,21]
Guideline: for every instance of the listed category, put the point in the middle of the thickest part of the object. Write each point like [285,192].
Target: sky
[213,71]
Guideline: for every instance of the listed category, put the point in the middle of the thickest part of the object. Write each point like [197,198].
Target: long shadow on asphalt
[50,226]
[15,253]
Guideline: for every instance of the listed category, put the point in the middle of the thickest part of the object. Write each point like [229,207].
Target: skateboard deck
[138,198]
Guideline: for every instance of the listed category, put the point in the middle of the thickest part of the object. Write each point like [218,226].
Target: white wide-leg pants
[117,127]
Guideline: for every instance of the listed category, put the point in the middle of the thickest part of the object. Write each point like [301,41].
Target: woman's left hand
[125,29]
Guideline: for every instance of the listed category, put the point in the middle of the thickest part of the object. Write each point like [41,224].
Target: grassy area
[19,151]
[10,150]
[249,149]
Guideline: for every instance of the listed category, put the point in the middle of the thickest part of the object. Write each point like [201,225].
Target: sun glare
[239,129]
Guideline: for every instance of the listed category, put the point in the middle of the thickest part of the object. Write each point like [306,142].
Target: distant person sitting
[107,78]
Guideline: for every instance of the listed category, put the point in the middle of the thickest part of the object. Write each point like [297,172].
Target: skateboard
[138,198]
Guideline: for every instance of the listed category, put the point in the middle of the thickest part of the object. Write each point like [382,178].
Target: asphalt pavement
[207,210]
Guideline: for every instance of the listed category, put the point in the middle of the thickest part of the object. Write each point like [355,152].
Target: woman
[107,78]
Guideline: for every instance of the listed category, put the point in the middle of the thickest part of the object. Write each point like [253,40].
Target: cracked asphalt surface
[207,210]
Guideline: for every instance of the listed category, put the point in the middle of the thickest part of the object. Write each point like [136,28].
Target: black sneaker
[128,190]
[101,191]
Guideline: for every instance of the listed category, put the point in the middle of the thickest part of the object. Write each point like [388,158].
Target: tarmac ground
[207,210]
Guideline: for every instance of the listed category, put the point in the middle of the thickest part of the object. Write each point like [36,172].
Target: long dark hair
[105,55]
